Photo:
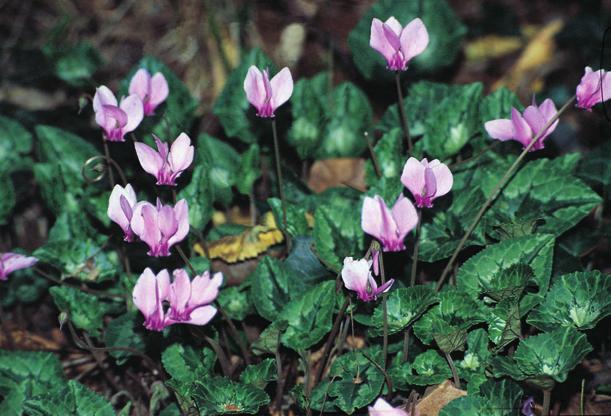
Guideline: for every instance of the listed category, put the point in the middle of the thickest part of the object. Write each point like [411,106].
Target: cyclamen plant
[305,316]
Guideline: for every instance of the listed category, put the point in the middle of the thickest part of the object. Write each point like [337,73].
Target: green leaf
[472,366]
[124,331]
[545,358]
[222,163]
[504,322]
[85,310]
[337,231]
[404,306]
[249,170]
[15,143]
[236,302]
[24,286]
[448,322]
[439,238]
[453,121]
[595,166]
[348,117]
[495,398]
[509,283]
[428,368]
[270,287]
[487,271]
[219,395]
[309,105]
[68,399]
[578,300]
[177,112]
[186,364]
[259,375]
[8,201]
[231,107]
[355,381]
[302,263]
[309,316]
[444,29]
[74,64]
[388,151]
[296,222]
[197,194]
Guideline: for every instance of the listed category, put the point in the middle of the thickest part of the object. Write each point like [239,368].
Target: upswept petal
[181,213]
[282,87]
[378,41]
[204,290]
[201,315]
[414,39]
[132,105]
[413,176]
[501,129]
[159,89]
[163,284]
[115,211]
[385,287]
[443,178]
[180,291]
[181,153]
[114,117]
[254,87]
[405,215]
[168,225]
[149,159]
[143,294]
[12,261]
[103,96]
[522,131]
[371,217]
[392,37]
[140,84]
[383,408]
[355,274]
[394,24]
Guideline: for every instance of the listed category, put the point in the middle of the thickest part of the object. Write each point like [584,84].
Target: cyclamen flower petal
[9,262]
[166,166]
[152,90]
[190,300]
[389,226]
[121,208]
[116,119]
[397,44]
[382,408]
[525,127]
[426,180]
[161,226]
[594,88]
[356,275]
[265,95]
[528,407]
[149,294]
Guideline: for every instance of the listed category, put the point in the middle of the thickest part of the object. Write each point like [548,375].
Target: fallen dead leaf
[491,47]
[330,173]
[435,398]
[22,339]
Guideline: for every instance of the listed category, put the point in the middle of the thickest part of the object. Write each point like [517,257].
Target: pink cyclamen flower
[398,44]
[594,88]
[166,165]
[160,226]
[151,90]
[116,119]
[9,262]
[389,226]
[121,206]
[149,294]
[357,277]
[382,408]
[426,180]
[525,127]
[267,95]
[190,300]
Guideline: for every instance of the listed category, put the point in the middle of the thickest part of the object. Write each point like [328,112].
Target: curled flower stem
[402,115]
[109,162]
[329,343]
[279,173]
[497,191]
[384,307]
[454,371]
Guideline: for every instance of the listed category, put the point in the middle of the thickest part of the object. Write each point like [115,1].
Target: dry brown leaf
[25,340]
[247,245]
[435,398]
[529,69]
[491,46]
[330,173]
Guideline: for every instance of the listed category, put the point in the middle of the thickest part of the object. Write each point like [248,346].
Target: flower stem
[111,175]
[402,115]
[454,371]
[547,398]
[279,173]
[412,280]
[329,343]
[496,192]
[374,158]
[385,309]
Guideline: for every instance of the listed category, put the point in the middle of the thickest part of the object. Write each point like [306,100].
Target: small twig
[184,258]
[374,158]
[581,397]
[406,337]
[497,191]
[402,115]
